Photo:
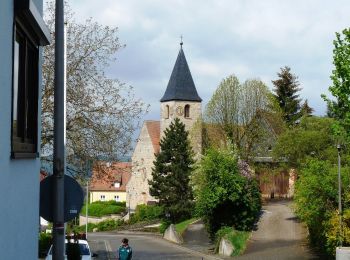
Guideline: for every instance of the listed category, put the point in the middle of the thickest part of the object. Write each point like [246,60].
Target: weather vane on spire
[181,42]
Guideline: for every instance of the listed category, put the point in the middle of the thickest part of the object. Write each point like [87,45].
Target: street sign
[73,198]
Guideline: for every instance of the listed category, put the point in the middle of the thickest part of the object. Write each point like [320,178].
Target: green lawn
[181,227]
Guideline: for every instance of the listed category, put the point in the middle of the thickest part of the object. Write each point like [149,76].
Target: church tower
[182,101]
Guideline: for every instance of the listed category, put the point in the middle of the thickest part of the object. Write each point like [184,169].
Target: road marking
[109,250]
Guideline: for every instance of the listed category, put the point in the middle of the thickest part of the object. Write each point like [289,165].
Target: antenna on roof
[181,42]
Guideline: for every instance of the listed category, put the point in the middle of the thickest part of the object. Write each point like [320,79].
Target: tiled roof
[153,128]
[104,176]
[181,85]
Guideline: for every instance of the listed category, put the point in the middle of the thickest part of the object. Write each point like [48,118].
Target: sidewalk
[196,238]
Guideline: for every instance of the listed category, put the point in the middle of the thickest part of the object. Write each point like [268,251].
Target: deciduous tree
[234,109]
[311,138]
[102,112]
[340,89]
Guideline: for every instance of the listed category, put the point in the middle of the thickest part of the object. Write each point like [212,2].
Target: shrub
[146,212]
[109,224]
[225,197]
[103,208]
[81,229]
[164,225]
[45,240]
[237,238]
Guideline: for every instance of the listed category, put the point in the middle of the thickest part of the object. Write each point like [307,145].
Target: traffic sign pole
[59,158]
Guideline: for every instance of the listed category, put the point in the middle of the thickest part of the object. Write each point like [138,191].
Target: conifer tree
[305,109]
[286,89]
[171,173]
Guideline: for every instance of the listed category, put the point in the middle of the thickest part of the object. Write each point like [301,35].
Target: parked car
[84,249]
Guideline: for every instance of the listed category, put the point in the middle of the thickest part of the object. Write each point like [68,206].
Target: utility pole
[339,201]
[59,157]
[87,205]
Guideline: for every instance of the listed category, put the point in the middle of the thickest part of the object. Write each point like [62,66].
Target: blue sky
[248,38]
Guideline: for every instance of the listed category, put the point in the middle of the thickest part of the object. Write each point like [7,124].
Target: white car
[84,251]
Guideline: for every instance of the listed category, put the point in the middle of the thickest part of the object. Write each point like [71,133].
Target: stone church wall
[142,163]
[176,110]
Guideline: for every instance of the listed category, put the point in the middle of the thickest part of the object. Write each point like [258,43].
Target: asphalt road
[279,235]
[145,247]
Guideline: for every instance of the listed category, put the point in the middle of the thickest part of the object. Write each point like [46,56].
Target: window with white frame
[102,197]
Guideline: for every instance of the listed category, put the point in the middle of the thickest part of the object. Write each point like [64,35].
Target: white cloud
[250,38]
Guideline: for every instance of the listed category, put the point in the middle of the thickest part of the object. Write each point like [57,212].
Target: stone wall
[142,163]
[192,123]
[95,220]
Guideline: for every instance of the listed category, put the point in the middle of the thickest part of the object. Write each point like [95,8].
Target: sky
[248,38]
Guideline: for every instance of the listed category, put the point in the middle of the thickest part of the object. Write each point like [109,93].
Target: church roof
[181,85]
[153,128]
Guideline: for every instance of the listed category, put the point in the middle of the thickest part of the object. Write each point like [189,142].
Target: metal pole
[87,204]
[129,204]
[339,200]
[59,158]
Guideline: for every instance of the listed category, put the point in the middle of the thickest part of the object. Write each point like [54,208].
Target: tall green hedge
[103,208]
[316,201]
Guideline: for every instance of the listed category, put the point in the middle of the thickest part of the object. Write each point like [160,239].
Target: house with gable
[108,182]
[180,100]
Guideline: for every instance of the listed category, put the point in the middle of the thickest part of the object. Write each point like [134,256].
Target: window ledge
[16,155]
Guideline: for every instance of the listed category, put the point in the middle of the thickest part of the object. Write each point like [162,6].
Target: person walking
[125,251]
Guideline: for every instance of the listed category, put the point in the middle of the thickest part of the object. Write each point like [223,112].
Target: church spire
[181,85]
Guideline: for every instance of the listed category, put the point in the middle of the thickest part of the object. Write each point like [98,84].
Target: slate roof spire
[181,85]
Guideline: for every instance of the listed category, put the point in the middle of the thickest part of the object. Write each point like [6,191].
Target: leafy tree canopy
[340,89]
[232,113]
[311,138]
[171,173]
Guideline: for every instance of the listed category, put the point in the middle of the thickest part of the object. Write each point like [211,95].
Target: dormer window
[187,111]
[167,111]
[117,185]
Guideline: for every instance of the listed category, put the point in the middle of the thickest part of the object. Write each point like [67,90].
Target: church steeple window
[187,111]
[167,111]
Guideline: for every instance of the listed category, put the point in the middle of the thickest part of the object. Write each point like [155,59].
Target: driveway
[279,235]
